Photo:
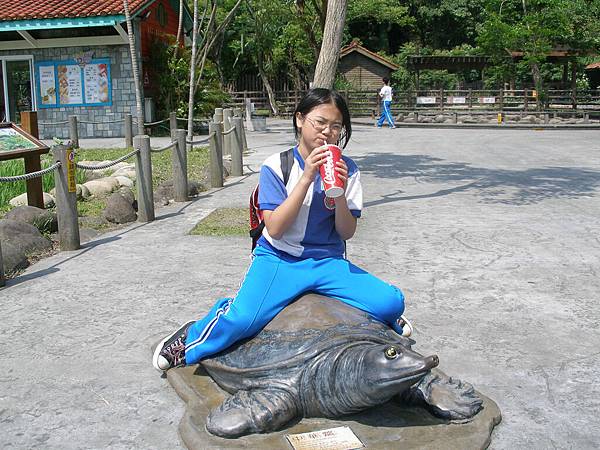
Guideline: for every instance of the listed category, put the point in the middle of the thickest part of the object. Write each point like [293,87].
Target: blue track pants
[386,114]
[272,283]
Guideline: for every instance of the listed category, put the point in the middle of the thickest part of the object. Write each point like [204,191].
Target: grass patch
[224,222]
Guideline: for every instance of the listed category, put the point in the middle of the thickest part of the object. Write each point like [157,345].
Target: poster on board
[47,85]
[96,83]
[69,85]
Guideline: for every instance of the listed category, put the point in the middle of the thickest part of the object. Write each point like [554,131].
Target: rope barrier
[184,119]
[108,164]
[31,175]
[54,123]
[100,123]
[148,124]
[201,141]
[228,131]
[162,149]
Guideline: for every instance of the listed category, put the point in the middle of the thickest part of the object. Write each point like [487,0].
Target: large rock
[166,192]
[81,191]
[125,171]
[42,219]
[25,237]
[102,186]
[124,181]
[119,209]
[21,200]
[13,258]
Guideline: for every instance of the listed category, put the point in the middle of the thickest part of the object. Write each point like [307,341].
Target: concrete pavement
[493,235]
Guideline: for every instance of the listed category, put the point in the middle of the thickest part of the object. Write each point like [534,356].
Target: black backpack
[257,223]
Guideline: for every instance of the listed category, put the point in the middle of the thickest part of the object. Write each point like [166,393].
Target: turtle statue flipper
[256,411]
[445,397]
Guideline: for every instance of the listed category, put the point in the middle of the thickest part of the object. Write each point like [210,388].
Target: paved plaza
[493,235]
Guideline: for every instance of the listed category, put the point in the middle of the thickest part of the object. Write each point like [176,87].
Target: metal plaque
[340,438]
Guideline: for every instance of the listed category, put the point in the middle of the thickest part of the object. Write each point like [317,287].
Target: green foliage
[171,68]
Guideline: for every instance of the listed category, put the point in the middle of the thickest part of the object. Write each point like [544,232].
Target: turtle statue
[322,358]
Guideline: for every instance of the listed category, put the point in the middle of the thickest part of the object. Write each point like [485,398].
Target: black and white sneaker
[170,352]
[407,328]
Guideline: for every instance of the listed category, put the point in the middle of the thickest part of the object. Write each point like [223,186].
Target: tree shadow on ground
[511,187]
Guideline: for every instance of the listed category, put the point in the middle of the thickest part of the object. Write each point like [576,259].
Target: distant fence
[367,103]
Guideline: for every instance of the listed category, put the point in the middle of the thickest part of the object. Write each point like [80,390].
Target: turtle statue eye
[391,353]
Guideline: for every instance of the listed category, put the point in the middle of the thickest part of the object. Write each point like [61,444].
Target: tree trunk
[190,125]
[180,24]
[330,47]
[268,87]
[537,80]
[134,68]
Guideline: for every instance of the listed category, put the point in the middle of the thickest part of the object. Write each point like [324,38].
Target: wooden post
[442,99]
[237,162]
[237,112]
[248,106]
[586,117]
[546,117]
[29,123]
[2,278]
[501,97]
[73,131]
[143,171]
[173,123]
[228,138]
[128,131]
[470,98]
[218,115]
[179,160]
[35,194]
[216,154]
[525,100]
[66,202]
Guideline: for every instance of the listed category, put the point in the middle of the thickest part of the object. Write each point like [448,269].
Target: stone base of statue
[321,364]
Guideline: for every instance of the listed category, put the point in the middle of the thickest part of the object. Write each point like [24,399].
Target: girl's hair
[320,96]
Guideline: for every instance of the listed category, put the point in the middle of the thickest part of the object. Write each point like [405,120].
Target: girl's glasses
[321,125]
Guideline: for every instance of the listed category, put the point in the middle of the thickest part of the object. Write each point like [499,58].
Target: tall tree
[536,27]
[135,69]
[332,41]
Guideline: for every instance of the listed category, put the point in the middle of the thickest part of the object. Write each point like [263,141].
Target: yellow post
[499,118]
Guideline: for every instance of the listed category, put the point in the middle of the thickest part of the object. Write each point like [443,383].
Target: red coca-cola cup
[332,184]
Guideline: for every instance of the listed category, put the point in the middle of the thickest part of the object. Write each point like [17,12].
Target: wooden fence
[366,103]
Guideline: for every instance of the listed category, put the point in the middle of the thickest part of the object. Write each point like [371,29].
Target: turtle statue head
[390,369]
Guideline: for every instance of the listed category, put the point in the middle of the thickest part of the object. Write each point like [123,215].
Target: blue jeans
[272,283]
[386,114]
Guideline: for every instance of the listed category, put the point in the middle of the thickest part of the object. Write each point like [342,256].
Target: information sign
[457,100]
[340,438]
[71,181]
[426,100]
[487,100]
[81,82]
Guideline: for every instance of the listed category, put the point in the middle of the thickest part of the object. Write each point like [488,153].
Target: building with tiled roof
[63,58]
[363,68]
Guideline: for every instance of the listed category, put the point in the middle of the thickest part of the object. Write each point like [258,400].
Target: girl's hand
[314,160]
[342,170]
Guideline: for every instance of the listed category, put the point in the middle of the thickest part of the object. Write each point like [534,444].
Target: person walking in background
[386,101]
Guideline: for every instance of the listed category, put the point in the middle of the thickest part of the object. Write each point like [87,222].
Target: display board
[17,143]
[74,83]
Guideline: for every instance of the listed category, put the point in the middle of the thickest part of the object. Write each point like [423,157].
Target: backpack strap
[287,161]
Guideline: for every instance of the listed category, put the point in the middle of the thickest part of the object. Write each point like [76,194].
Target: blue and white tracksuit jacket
[308,257]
